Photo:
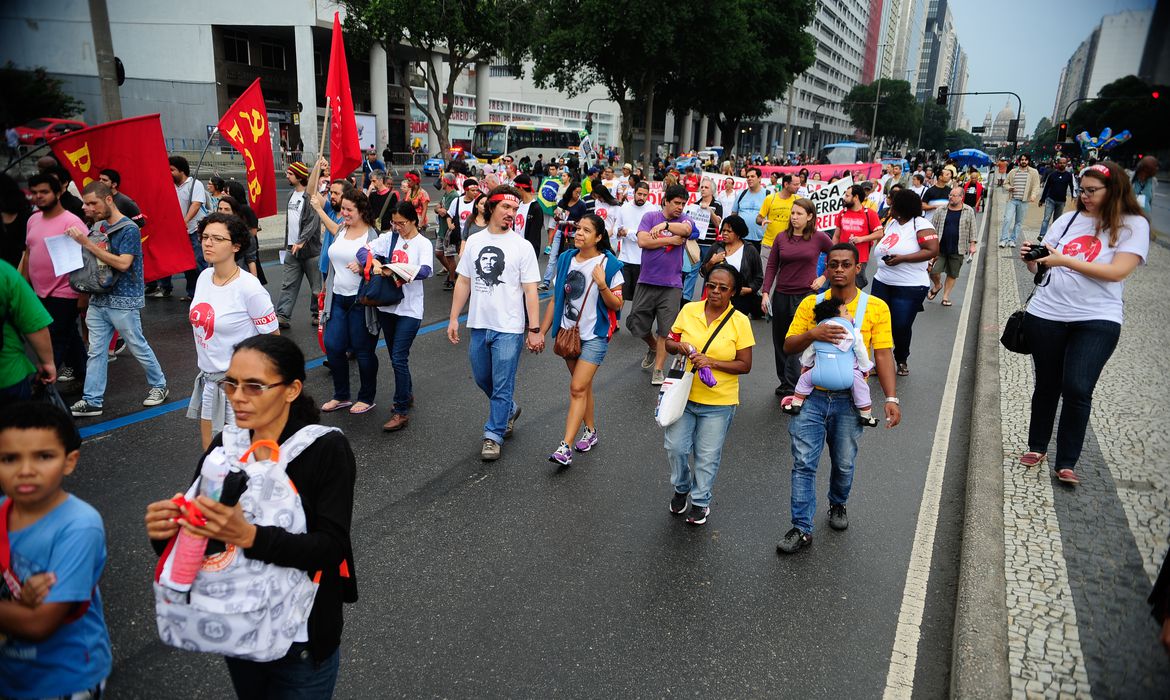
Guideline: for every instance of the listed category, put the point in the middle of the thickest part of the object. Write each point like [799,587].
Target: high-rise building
[1113,50]
[902,26]
[939,43]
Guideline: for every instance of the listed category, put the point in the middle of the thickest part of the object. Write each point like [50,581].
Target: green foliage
[898,112]
[1145,117]
[934,126]
[1044,125]
[467,31]
[29,94]
[957,139]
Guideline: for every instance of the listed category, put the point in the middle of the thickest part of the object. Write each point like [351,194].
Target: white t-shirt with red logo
[1068,295]
[417,251]
[521,219]
[223,316]
[901,239]
[460,209]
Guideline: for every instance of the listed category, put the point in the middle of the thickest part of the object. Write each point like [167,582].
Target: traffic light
[1155,94]
[589,123]
[1061,132]
[942,95]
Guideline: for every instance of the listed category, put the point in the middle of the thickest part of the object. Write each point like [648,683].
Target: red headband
[1101,169]
[412,177]
[504,197]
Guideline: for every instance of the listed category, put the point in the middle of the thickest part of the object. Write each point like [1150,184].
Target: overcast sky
[1021,46]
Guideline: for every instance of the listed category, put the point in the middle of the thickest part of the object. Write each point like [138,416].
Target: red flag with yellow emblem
[245,126]
[135,148]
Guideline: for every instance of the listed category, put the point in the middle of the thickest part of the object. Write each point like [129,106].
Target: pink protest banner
[859,172]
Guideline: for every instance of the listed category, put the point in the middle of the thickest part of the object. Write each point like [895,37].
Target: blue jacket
[606,319]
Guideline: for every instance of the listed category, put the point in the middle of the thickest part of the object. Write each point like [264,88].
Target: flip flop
[357,409]
[947,302]
[932,294]
[334,405]
[1031,459]
[1067,476]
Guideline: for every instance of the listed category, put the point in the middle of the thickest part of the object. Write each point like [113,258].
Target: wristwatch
[534,330]
[893,399]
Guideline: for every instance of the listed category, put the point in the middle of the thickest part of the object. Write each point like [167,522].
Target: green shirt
[21,313]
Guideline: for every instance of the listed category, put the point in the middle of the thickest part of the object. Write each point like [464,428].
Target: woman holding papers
[410,257]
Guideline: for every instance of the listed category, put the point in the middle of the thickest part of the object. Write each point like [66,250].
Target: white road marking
[903,659]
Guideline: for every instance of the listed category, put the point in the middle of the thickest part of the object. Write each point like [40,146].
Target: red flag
[245,126]
[345,152]
[135,148]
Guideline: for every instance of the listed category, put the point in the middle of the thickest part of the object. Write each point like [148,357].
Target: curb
[979,660]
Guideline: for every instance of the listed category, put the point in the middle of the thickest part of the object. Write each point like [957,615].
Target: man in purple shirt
[662,236]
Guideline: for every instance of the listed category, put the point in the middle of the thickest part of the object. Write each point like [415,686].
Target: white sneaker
[156,395]
[658,378]
[1002,244]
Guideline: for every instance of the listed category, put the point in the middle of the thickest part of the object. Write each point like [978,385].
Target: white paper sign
[829,200]
[65,254]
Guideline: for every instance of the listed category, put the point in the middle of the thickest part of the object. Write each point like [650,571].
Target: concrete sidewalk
[1079,561]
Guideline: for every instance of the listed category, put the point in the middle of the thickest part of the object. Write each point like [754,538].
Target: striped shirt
[1019,183]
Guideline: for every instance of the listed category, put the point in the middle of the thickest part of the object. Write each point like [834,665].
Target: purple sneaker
[563,455]
[587,441]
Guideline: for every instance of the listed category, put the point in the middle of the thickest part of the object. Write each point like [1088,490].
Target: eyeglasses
[229,387]
[712,287]
[1092,190]
[214,239]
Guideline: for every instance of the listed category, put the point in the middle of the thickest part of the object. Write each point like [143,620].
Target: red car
[46,129]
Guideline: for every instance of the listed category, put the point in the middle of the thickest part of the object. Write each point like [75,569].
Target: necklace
[229,279]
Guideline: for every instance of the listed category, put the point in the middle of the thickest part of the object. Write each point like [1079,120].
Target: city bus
[494,139]
[844,153]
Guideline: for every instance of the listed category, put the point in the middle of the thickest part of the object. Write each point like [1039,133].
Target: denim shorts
[593,350]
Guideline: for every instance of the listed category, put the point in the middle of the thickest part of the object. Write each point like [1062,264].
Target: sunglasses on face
[229,387]
[713,287]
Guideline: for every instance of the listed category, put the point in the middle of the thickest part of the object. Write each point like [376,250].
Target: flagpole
[199,165]
[325,130]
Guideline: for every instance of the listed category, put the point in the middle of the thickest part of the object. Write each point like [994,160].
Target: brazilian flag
[546,196]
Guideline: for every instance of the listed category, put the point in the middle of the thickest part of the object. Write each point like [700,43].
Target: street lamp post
[876,100]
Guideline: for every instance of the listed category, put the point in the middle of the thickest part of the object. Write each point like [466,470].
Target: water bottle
[187,557]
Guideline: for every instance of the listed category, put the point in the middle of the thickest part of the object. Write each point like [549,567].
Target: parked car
[685,162]
[46,129]
[434,165]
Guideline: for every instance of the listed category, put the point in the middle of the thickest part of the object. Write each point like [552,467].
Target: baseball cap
[592,171]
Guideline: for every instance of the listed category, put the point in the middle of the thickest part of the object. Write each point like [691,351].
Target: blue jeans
[295,677]
[1052,211]
[1068,357]
[701,431]
[102,321]
[826,416]
[400,332]
[1013,220]
[904,303]
[345,331]
[495,357]
[550,268]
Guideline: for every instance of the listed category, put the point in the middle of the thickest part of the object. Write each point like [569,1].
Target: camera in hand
[1035,253]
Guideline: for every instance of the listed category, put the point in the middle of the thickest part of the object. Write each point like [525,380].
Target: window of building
[272,56]
[500,68]
[235,47]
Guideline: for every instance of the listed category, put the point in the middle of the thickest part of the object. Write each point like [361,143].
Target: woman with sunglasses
[229,305]
[400,321]
[1073,321]
[711,334]
[265,384]
[588,293]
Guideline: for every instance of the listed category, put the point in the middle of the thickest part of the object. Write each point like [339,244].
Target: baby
[832,311]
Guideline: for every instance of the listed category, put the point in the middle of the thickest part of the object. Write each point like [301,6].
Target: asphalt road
[518,579]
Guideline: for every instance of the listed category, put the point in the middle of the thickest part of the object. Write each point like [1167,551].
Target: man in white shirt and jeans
[498,272]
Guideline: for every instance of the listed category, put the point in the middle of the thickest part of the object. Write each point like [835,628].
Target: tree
[934,126]
[957,139]
[898,111]
[1145,117]
[1044,125]
[740,78]
[467,31]
[29,94]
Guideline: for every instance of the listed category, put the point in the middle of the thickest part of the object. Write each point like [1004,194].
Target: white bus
[494,139]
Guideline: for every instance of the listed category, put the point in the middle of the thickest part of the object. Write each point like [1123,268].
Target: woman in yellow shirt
[711,333]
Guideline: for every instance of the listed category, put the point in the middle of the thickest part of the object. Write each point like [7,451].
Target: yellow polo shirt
[875,327]
[777,211]
[690,326]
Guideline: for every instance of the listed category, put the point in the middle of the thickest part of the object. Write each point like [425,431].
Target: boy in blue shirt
[53,637]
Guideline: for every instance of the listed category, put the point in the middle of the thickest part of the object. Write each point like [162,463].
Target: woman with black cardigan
[729,248]
[265,384]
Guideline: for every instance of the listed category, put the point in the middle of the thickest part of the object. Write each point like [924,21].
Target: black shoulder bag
[1013,337]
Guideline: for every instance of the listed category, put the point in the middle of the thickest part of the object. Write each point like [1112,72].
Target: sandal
[903,370]
[361,407]
[1067,476]
[947,302]
[1031,459]
[932,294]
[334,405]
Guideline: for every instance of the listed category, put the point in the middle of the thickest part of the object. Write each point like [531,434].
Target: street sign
[976,130]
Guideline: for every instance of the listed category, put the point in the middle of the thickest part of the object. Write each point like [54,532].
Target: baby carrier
[833,370]
[238,606]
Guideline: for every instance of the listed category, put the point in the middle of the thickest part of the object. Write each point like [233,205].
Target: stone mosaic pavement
[1079,562]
